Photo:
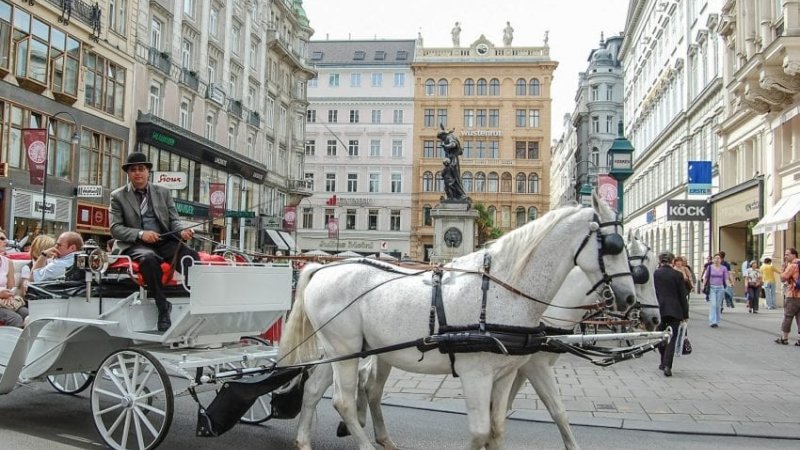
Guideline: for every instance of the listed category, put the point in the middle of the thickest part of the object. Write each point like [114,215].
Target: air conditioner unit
[216,94]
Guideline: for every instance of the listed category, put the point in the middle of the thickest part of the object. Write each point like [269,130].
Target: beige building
[497,99]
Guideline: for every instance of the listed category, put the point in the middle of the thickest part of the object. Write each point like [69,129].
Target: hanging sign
[35,142]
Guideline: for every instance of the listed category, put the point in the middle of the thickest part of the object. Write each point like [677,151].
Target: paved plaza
[737,382]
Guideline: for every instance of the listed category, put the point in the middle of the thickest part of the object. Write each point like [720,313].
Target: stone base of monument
[453,230]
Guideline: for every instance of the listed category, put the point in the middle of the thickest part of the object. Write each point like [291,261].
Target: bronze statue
[451,174]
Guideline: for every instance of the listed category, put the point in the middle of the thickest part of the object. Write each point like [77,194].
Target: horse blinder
[640,274]
[612,244]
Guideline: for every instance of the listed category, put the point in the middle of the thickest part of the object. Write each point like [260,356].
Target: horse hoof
[341,430]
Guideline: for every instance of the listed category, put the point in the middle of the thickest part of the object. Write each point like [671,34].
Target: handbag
[687,347]
[13,303]
[706,289]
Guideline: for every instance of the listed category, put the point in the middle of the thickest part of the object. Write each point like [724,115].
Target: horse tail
[298,341]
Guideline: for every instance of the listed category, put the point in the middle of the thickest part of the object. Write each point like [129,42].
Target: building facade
[497,99]
[562,165]
[671,56]
[359,148]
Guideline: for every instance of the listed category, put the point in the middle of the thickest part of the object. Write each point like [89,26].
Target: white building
[562,166]
[359,147]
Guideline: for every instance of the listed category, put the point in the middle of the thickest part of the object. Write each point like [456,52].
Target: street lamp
[585,192]
[621,156]
[74,140]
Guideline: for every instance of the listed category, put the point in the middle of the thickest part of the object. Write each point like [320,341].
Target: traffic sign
[240,214]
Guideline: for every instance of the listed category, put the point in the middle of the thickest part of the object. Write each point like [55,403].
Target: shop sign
[699,178]
[49,207]
[357,245]
[190,209]
[687,210]
[92,216]
[90,191]
[171,180]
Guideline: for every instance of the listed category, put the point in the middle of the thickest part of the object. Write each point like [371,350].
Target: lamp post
[74,140]
[585,192]
[228,200]
[621,155]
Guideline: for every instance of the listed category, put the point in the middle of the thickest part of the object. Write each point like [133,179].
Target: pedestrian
[673,305]
[729,285]
[709,261]
[768,277]
[680,265]
[791,306]
[753,282]
[716,278]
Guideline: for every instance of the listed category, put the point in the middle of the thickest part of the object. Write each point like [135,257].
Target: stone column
[453,230]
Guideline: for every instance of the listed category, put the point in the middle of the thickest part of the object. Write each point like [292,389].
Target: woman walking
[680,265]
[715,278]
[753,282]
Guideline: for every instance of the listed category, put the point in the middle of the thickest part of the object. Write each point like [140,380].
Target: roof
[361,53]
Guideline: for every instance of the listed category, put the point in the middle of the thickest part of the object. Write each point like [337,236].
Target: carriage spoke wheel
[261,411]
[70,383]
[132,402]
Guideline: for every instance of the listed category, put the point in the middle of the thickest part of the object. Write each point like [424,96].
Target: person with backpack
[791,307]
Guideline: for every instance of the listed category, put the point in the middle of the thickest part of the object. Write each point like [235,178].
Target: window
[380,55]
[333,80]
[481,118]
[377,79]
[397,148]
[188,7]
[493,182]
[232,136]
[309,177]
[521,182]
[394,220]
[428,118]
[520,118]
[494,149]
[186,53]
[41,52]
[333,116]
[352,147]
[442,88]
[427,182]
[609,93]
[397,183]
[374,148]
[426,216]
[480,146]
[269,112]
[183,115]
[519,217]
[467,149]
[374,182]
[469,118]
[533,118]
[352,182]
[235,31]
[481,86]
[494,118]
[331,147]
[353,116]
[398,116]
[330,182]
[438,185]
[480,182]
[427,149]
[308,218]
[533,213]
[442,117]
[466,180]
[155,33]
[533,183]
[154,100]
[399,80]
[533,88]
[213,22]
[311,147]
[251,97]
[520,87]
[595,124]
[609,124]
[118,15]
[104,84]
[350,220]
[253,54]
[429,87]
[211,70]
[376,116]
[211,121]
[372,219]
[595,93]
[314,82]
[469,87]
[355,80]
[533,150]
[311,116]
[494,87]
[359,55]
[329,215]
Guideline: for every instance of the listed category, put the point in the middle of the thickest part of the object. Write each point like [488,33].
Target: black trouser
[150,257]
[668,351]
[754,293]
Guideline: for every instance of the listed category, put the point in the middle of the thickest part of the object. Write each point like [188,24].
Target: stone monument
[453,218]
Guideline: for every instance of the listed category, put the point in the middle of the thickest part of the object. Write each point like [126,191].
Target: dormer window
[380,55]
[359,55]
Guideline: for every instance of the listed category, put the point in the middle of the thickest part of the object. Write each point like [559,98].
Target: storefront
[92,222]
[29,208]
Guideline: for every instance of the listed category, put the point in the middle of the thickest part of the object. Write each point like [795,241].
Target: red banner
[289,218]
[35,142]
[607,190]
[333,228]
[216,196]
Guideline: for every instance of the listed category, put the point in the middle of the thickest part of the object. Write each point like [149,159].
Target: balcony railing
[235,108]
[254,119]
[300,186]
[190,78]
[90,14]
[160,60]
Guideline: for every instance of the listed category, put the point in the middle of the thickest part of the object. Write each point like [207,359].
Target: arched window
[439,182]
[505,182]
[469,87]
[521,182]
[442,88]
[533,88]
[481,86]
[426,216]
[427,182]
[429,87]
[466,181]
[494,87]
[520,87]
[533,183]
[533,213]
[491,186]
[520,217]
[480,182]
[596,157]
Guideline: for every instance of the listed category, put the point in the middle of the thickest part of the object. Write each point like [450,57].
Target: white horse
[348,307]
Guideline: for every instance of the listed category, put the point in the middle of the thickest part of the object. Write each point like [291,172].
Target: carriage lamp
[586,195]
[620,154]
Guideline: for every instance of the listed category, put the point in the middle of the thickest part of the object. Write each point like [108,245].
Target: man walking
[791,307]
[673,305]
[768,275]
[145,224]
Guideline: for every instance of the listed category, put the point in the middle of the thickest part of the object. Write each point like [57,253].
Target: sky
[574,25]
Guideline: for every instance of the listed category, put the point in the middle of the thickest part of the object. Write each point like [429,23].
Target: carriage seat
[169,278]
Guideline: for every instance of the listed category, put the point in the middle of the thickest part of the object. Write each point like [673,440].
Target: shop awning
[779,217]
[279,243]
[289,240]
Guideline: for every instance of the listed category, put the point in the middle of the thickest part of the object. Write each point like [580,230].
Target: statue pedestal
[453,230]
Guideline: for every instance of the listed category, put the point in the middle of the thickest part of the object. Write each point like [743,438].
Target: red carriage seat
[122,265]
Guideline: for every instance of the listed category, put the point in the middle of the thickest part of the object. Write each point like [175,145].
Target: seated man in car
[53,263]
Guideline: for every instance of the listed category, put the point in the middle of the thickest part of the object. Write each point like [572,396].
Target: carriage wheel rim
[70,383]
[131,400]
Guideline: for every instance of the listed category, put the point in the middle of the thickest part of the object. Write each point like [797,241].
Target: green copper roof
[300,13]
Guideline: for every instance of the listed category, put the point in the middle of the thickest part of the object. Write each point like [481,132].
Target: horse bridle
[607,244]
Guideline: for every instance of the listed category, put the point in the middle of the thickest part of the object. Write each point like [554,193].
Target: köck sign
[687,210]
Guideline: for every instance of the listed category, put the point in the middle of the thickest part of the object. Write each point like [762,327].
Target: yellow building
[497,99]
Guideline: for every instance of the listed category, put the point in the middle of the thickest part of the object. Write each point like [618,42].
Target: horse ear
[599,205]
[636,235]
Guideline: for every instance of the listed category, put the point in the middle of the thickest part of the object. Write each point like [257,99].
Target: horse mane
[520,244]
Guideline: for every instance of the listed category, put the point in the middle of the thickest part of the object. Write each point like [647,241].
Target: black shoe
[667,372]
[713,325]
[164,321]
[661,367]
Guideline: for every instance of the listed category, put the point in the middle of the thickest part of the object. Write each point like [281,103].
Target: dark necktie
[143,203]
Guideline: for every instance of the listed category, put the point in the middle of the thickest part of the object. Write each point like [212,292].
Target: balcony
[216,94]
[235,108]
[160,60]
[300,187]
[190,79]
[254,119]
[89,14]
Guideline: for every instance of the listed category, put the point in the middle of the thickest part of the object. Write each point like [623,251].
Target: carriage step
[153,332]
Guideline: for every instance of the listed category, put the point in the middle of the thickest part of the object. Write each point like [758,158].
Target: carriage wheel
[132,402]
[70,383]
[261,411]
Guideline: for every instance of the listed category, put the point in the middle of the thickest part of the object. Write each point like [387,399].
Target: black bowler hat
[135,159]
